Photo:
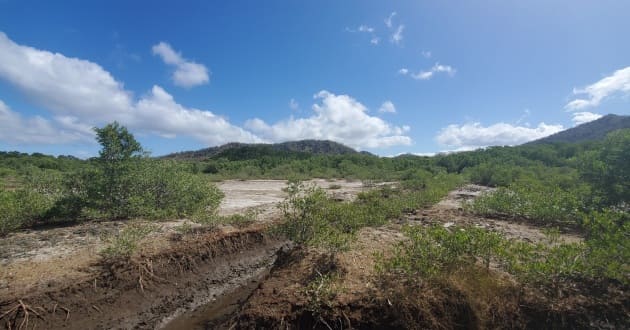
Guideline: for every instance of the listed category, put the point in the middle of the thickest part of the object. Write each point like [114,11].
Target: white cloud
[294,105]
[14,128]
[426,54]
[374,40]
[426,75]
[187,73]
[422,75]
[81,94]
[339,118]
[168,118]
[397,36]
[618,82]
[580,118]
[365,28]
[67,86]
[474,135]
[388,20]
[388,107]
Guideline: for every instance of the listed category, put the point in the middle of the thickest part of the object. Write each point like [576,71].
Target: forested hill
[594,130]
[244,150]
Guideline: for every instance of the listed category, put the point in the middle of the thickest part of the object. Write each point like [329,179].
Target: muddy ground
[310,289]
[229,277]
[60,272]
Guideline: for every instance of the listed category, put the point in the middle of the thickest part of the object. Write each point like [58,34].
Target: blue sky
[388,77]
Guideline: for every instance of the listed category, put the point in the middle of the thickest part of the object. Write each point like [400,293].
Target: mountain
[236,150]
[594,130]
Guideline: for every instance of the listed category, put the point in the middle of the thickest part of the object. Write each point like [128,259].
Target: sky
[388,77]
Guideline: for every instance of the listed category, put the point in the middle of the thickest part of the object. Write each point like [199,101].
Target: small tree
[116,159]
[118,144]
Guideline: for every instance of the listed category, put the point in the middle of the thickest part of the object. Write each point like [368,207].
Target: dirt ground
[47,260]
[308,289]
[230,277]
[36,260]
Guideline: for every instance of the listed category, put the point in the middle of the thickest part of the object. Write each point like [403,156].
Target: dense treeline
[548,182]
[314,147]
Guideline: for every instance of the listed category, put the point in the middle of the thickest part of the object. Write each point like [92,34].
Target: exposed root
[19,310]
[54,309]
[67,312]
[146,268]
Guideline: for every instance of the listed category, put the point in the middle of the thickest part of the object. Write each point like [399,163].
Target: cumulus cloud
[16,129]
[593,95]
[388,107]
[426,54]
[580,118]
[339,118]
[187,73]
[474,135]
[168,118]
[428,74]
[81,94]
[375,40]
[67,86]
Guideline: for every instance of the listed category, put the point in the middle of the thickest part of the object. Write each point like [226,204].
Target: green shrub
[433,251]
[165,189]
[123,244]
[312,218]
[22,208]
[546,204]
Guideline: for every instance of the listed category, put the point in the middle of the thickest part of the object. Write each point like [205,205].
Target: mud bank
[150,290]
[294,297]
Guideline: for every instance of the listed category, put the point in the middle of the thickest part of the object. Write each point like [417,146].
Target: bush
[25,206]
[433,251]
[546,204]
[166,189]
[126,241]
[312,218]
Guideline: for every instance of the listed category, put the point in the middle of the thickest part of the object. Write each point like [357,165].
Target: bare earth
[34,260]
[51,263]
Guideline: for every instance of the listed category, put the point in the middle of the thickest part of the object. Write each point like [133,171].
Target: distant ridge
[237,150]
[594,130]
